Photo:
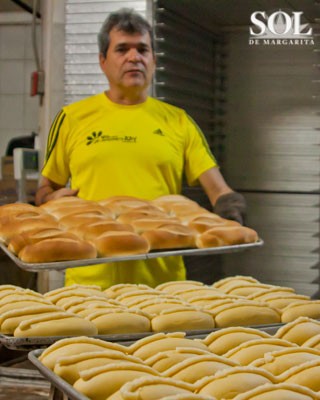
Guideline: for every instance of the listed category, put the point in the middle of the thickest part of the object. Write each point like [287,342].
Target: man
[123,142]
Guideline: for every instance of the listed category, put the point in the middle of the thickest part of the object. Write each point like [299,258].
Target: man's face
[129,62]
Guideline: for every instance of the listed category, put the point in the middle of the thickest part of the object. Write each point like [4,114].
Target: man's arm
[225,202]
[49,190]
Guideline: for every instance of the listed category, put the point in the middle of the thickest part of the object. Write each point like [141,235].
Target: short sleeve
[198,156]
[56,164]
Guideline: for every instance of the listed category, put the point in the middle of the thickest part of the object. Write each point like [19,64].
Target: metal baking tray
[61,265]
[62,386]
[36,342]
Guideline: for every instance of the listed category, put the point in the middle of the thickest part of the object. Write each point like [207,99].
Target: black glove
[231,206]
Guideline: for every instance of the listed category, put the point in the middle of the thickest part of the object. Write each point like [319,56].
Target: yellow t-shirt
[143,150]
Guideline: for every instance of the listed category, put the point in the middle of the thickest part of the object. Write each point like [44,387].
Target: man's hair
[126,20]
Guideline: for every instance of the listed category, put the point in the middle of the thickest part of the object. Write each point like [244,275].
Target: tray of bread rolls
[72,232]
[243,361]
[126,312]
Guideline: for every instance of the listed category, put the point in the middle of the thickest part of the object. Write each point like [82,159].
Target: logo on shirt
[98,137]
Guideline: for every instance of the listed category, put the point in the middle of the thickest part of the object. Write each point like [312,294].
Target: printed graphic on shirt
[98,137]
[158,132]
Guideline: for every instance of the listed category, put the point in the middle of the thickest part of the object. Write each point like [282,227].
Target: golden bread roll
[192,293]
[101,382]
[19,241]
[182,318]
[58,249]
[300,308]
[169,237]
[121,288]
[170,198]
[282,301]
[153,388]
[148,346]
[278,362]
[114,243]
[69,368]
[159,304]
[120,321]
[55,324]
[223,340]
[204,223]
[249,351]
[192,369]
[224,283]
[269,291]
[245,289]
[16,208]
[299,330]
[279,391]
[173,286]
[230,382]
[9,320]
[141,225]
[313,342]
[76,345]
[91,231]
[41,221]
[85,208]
[71,222]
[119,207]
[184,208]
[141,212]
[166,359]
[306,374]
[245,313]
[22,302]
[63,202]
[226,236]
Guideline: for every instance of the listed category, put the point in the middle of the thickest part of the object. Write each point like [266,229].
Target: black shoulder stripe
[52,131]
[203,139]
[53,135]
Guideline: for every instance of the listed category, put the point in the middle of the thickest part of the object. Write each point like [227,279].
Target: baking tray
[61,265]
[63,387]
[30,343]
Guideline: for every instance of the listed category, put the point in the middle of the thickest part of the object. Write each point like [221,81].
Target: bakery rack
[61,265]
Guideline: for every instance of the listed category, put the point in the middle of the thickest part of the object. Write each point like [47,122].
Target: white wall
[18,111]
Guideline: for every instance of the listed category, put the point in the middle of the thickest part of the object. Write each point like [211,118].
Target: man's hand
[56,194]
[49,190]
[231,206]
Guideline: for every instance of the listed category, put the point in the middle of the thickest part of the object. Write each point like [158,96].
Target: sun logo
[95,137]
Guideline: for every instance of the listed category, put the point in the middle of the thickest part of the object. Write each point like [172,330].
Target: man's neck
[128,99]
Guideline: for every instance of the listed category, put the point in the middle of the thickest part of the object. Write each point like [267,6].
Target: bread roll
[23,302]
[174,286]
[114,243]
[278,391]
[278,362]
[121,206]
[192,293]
[70,367]
[223,340]
[130,297]
[92,231]
[166,359]
[74,209]
[170,237]
[154,388]
[245,313]
[245,353]
[116,290]
[148,346]
[271,290]
[281,301]
[120,321]
[65,201]
[55,324]
[16,208]
[75,220]
[226,236]
[157,305]
[19,241]
[74,287]
[204,223]
[313,342]
[182,318]
[224,283]
[101,382]
[148,211]
[305,374]
[7,293]
[145,224]
[195,368]
[76,345]
[230,382]
[300,308]
[299,330]
[245,289]
[51,250]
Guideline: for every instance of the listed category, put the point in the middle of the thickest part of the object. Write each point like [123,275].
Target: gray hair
[126,20]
